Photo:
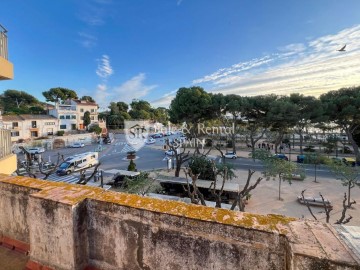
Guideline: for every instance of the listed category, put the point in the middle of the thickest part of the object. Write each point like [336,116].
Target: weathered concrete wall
[14,205]
[127,238]
[72,226]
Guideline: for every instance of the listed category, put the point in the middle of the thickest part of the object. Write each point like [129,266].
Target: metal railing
[5,143]
[3,42]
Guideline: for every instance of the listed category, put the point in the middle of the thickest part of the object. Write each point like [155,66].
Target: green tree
[233,105]
[160,115]
[275,167]
[87,98]
[19,102]
[203,167]
[95,128]
[123,107]
[87,119]
[59,93]
[348,175]
[132,166]
[140,109]
[141,184]
[281,118]
[255,110]
[342,107]
[191,105]
[308,110]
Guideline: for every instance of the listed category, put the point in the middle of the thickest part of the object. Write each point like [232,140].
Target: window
[62,117]
[15,125]
[81,110]
[34,133]
[82,117]
[50,131]
[67,117]
[49,123]
[15,133]
[92,110]
[73,117]
[62,126]
[92,117]
[33,124]
[73,126]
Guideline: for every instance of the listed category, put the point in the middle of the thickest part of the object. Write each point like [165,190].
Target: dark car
[281,156]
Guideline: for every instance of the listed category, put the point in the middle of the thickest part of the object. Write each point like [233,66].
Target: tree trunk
[177,169]
[279,187]
[301,143]
[353,144]
[349,190]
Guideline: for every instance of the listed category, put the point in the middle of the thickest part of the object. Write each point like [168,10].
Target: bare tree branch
[307,204]
[342,219]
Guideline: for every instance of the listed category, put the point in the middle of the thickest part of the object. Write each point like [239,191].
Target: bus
[78,162]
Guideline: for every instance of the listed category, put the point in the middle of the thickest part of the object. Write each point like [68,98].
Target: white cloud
[88,41]
[236,68]
[133,88]
[94,13]
[104,69]
[311,68]
[165,100]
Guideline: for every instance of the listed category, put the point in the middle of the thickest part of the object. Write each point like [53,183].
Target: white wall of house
[31,128]
[71,115]
[81,108]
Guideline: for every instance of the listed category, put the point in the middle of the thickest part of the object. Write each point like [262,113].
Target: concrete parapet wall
[72,227]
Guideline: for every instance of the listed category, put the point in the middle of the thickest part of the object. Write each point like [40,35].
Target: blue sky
[117,50]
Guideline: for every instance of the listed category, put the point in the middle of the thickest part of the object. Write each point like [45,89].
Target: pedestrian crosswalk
[71,179]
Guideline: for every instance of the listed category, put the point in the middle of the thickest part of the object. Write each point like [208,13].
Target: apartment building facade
[8,163]
[27,126]
[71,114]
[6,67]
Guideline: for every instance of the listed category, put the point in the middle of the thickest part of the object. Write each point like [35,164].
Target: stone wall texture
[74,227]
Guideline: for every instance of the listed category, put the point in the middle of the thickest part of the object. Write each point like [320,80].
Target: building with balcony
[71,114]
[83,106]
[6,67]
[8,163]
[28,126]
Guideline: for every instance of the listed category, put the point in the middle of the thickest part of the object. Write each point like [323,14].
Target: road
[149,158]
[247,163]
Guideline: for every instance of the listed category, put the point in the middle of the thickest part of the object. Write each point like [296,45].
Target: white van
[78,162]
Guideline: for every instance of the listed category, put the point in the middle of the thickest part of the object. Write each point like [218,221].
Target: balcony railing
[5,143]
[3,43]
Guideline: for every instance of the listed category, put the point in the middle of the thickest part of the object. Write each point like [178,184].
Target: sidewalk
[264,199]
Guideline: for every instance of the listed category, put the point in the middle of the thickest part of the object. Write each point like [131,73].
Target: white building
[27,126]
[71,114]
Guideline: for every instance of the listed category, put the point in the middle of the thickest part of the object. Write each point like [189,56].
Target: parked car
[36,150]
[150,140]
[157,135]
[345,160]
[77,145]
[281,156]
[231,155]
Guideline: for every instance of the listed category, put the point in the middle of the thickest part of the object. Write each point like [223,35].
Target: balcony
[6,67]
[7,159]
